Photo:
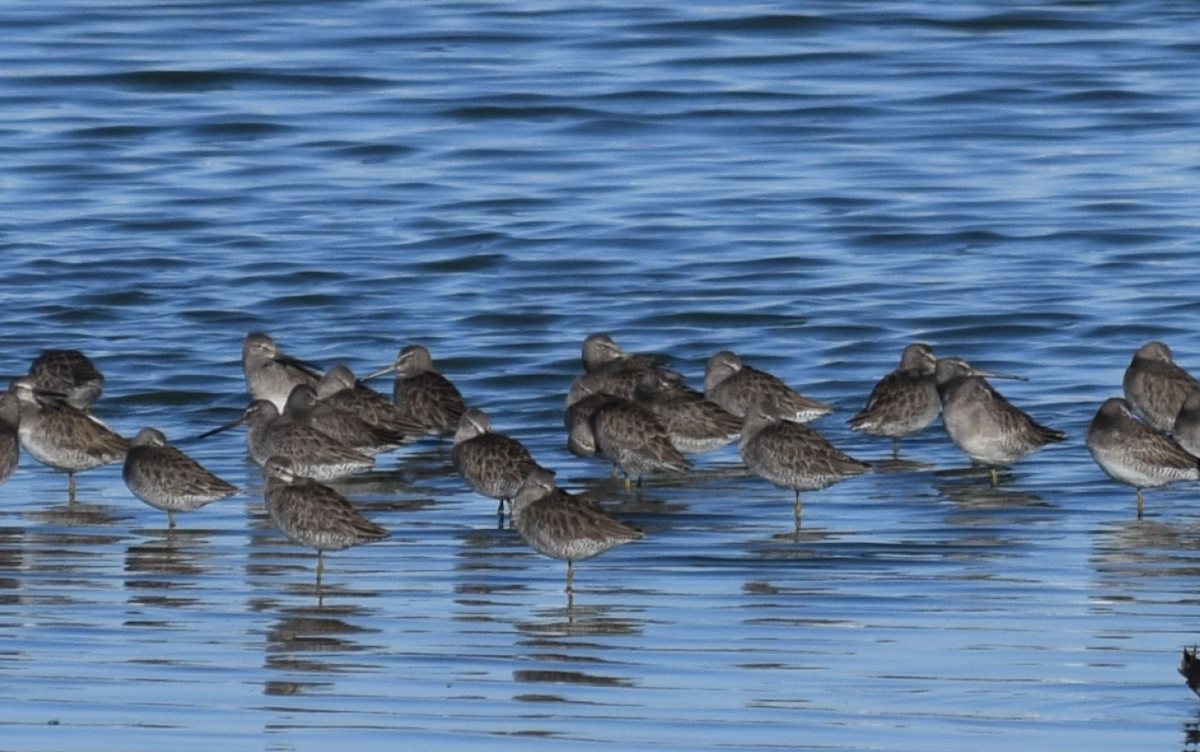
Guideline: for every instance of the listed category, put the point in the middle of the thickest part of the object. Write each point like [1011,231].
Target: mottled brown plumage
[339,387]
[905,401]
[792,455]
[314,454]
[736,387]
[422,393]
[561,525]
[1134,453]
[62,436]
[342,426]
[695,423]
[69,373]
[491,463]
[311,514]
[630,436]
[1155,387]
[167,479]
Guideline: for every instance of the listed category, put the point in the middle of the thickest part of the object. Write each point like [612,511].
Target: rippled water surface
[811,185]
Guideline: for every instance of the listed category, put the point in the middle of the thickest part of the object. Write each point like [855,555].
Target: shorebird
[491,463]
[339,387]
[1187,424]
[562,525]
[981,422]
[313,454]
[341,425]
[61,436]
[695,423]
[1134,453]
[311,514]
[424,394]
[791,455]
[70,373]
[167,479]
[1155,387]
[271,374]
[736,387]
[10,445]
[630,436]
[905,401]
[615,371]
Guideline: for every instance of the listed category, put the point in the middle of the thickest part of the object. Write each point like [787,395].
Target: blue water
[811,185]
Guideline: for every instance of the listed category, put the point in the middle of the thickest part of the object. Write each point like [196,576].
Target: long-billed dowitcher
[340,388]
[561,525]
[341,425]
[1187,424]
[630,436]
[10,445]
[1134,453]
[1155,386]
[905,401]
[492,464]
[64,437]
[271,374]
[424,394]
[313,454]
[981,422]
[695,423]
[792,455]
[70,373]
[736,386]
[311,514]
[167,479]
[616,371]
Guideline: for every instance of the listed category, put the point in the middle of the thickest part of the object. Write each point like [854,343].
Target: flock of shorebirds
[304,428]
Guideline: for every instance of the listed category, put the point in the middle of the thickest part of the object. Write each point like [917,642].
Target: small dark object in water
[1189,669]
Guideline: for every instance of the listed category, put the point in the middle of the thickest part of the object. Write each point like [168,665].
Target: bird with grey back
[313,454]
[1134,453]
[1155,386]
[422,393]
[341,425]
[270,373]
[561,525]
[1187,424]
[311,514]
[617,372]
[167,479]
[490,463]
[696,424]
[982,423]
[69,373]
[736,387]
[792,455]
[905,401]
[630,437]
[339,387]
[62,436]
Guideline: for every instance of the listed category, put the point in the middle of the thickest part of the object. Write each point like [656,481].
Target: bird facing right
[791,455]
[736,387]
[1134,453]
[562,525]
[312,514]
[167,479]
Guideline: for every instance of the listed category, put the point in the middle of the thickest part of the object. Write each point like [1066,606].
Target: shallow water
[813,188]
